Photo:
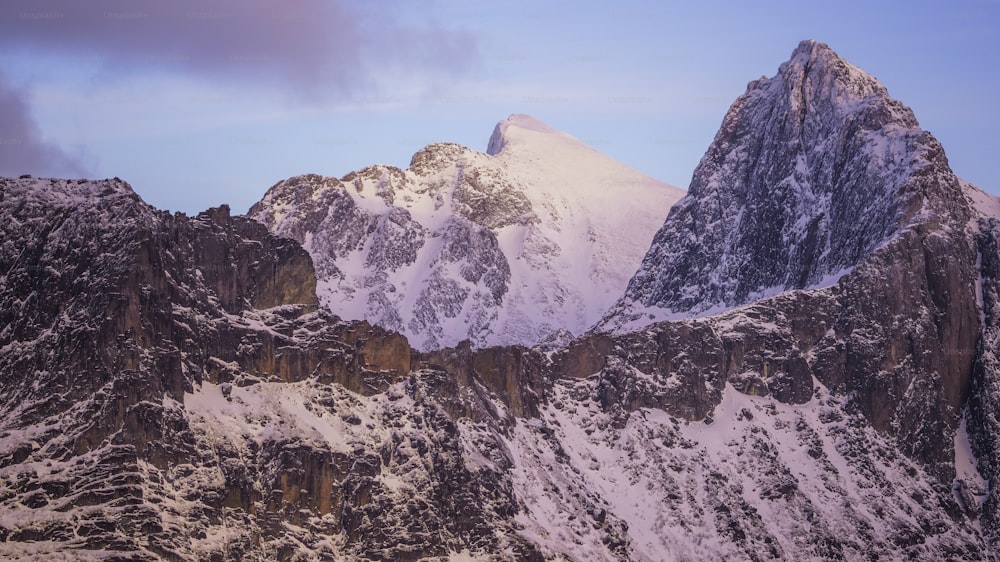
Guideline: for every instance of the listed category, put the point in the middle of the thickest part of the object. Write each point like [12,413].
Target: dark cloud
[313,46]
[22,150]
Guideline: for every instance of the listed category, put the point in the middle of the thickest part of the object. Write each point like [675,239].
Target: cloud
[22,150]
[309,47]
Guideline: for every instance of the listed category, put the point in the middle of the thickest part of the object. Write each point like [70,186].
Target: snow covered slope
[761,480]
[811,170]
[535,238]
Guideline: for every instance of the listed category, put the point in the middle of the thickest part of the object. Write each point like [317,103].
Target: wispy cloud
[312,48]
[22,148]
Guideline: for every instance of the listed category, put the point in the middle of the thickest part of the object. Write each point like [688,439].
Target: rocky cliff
[982,420]
[171,390]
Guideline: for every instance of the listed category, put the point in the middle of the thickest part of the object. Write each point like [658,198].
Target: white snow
[589,222]
[601,214]
[967,466]
[260,410]
[802,472]
[983,203]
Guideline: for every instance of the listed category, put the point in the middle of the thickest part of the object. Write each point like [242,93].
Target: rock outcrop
[171,390]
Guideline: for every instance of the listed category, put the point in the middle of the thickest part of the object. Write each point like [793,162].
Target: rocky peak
[437,156]
[818,180]
[818,68]
[811,170]
[66,194]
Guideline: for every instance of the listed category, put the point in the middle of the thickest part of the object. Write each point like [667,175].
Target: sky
[201,102]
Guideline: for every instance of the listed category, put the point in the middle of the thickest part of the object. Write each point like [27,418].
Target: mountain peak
[540,235]
[816,70]
[524,121]
[811,49]
[811,170]
[515,126]
[811,54]
[70,193]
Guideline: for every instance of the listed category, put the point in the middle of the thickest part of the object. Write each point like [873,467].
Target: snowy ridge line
[535,237]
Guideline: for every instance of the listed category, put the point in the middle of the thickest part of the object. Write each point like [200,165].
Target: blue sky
[199,103]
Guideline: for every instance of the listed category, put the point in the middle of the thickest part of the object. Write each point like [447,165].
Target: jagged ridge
[169,389]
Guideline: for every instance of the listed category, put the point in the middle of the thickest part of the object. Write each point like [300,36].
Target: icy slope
[761,481]
[811,171]
[534,238]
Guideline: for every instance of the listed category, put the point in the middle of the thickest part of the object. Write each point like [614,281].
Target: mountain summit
[535,238]
[811,170]
[520,129]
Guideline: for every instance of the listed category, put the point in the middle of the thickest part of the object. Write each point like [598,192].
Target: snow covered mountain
[172,391]
[535,238]
[171,388]
[811,170]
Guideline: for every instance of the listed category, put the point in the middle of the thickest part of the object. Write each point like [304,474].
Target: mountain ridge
[172,388]
[505,248]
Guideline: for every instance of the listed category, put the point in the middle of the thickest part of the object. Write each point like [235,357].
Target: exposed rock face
[170,391]
[811,170]
[984,403]
[537,236]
